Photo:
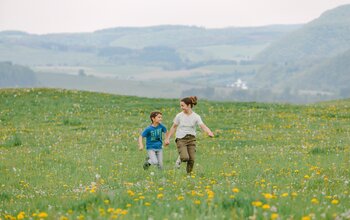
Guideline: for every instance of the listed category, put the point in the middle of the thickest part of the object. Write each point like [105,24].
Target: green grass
[73,155]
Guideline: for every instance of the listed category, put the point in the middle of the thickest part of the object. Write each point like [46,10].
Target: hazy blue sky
[48,16]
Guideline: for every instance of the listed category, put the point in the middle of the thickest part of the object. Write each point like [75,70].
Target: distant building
[239,84]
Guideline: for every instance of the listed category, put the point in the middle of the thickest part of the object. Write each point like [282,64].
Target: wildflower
[63,218]
[102,211]
[306,177]
[180,198]
[306,218]
[21,215]
[335,202]
[268,196]
[314,201]
[274,216]
[257,203]
[117,211]
[106,201]
[294,194]
[210,194]
[130,192]
[266,206]
[128,205]
[124,212]
[232,196]
[42,215]
[197,202]
[284,194]
[235,190]
[147,204]
[160,195]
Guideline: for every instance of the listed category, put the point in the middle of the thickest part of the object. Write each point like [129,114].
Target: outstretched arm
[207,130]
[140,143]
[169,134]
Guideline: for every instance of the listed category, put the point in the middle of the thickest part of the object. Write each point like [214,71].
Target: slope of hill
[311,59]
[326,36]
[74,155]
[92,48]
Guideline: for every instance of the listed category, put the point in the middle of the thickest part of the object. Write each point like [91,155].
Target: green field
[73,155]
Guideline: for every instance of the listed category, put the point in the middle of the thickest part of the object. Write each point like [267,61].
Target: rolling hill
[313,58]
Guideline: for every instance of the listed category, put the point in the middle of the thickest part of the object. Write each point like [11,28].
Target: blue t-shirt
[153,137]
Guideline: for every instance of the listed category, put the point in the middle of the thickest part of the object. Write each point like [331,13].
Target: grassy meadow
[74,155]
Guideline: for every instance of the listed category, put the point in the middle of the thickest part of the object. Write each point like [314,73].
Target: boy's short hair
[154,114]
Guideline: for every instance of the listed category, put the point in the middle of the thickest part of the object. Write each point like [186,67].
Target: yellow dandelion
[124,212]
[306,218]
[130,192]
[180,198]
[314,201]
[42,215]
[102,212]
[160,195]
[294,194]
[63,218]
[21,215]
[128,205]
[106,202]
[109,210]
[266,206]
[197,202]
[257,203]
[235,190]
[232,196]
[274,216]
[335,202]
[268,195]
[141,197]
[147,204]
[284,194]
[306,177]
[117,211]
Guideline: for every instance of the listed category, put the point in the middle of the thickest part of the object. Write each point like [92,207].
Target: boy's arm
[169,134]
[207,130]
[140,143]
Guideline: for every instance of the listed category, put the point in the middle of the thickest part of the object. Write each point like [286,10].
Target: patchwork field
[74,155]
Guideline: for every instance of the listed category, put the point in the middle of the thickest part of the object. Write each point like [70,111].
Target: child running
[154,143]
[185,125]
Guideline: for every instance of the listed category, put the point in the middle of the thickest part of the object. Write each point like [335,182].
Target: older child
[185,125]
[154,143]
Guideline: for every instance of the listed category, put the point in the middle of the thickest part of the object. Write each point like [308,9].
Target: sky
[70,16]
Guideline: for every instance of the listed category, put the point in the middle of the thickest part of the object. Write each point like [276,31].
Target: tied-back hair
[154,114]
[191,100]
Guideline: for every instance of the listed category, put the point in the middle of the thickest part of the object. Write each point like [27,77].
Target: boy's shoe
[178,163]
[146,165]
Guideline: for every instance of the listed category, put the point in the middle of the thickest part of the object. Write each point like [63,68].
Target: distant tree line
[16,76]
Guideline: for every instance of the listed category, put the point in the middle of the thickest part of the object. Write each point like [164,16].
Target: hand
[166,142]
[211,134]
